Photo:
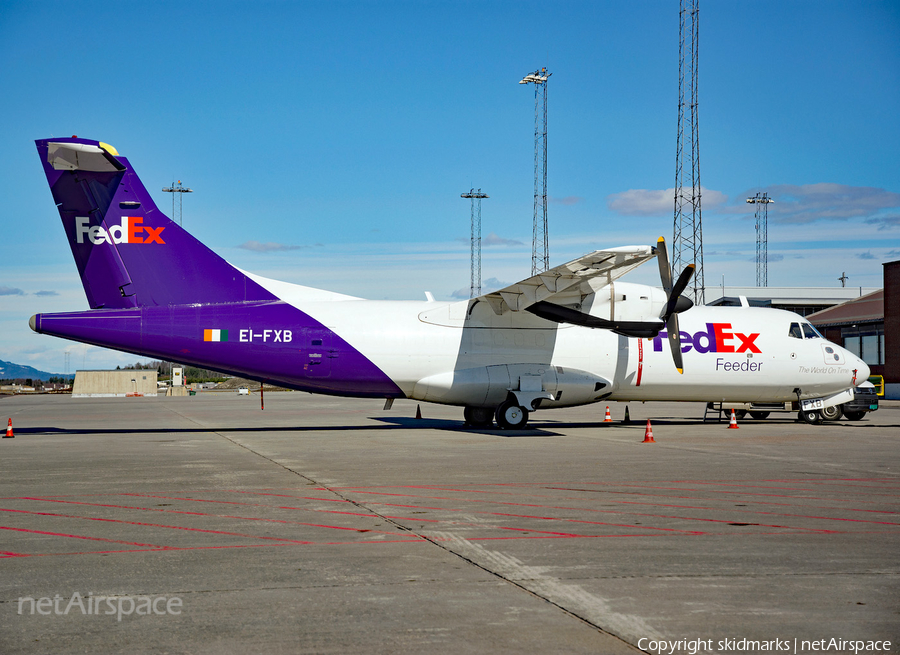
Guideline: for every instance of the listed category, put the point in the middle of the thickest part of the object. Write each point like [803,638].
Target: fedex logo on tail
[717,338]
[130,230]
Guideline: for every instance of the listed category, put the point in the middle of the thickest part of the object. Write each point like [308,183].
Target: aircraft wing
[567,281]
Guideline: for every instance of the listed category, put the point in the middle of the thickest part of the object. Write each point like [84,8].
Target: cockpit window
[795,331]
[809,332]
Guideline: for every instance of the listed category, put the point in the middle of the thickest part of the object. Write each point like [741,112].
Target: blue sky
[327,143]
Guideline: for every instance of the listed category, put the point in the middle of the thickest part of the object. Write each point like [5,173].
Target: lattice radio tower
[178,191]
[475,277]
[762,201]
[540,249]
[688,241]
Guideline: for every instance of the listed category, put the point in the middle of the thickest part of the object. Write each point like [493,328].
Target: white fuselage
[464,354]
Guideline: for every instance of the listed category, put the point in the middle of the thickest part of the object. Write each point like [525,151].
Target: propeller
[676,303]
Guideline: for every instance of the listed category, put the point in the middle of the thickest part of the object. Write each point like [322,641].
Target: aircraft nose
[862,371]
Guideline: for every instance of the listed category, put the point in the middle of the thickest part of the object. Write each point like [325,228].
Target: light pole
[762,202]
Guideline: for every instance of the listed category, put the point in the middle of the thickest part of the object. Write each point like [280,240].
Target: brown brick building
[869,326]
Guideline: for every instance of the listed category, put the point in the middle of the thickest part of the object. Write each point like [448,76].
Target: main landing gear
[509,416]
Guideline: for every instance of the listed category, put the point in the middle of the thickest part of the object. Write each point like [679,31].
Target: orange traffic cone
[608,418]
[418,411]
[732,425]
[9,432]
[648,434]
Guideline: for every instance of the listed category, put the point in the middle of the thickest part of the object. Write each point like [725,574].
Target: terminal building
[800,300]
[869,327]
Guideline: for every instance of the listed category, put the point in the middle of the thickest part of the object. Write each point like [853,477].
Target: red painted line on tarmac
[327,500]
[78,536]
[683,518]
[742,493]
[548,532]
[640,514]
[604,523]
[799,489]
[227,546]
[153,525]
[719,509]
[206,514]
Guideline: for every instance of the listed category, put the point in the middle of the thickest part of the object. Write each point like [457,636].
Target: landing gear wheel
[811,416]
[479,417]
[760,416]
[832,413]
[854,416]
[511,417]
[739,414]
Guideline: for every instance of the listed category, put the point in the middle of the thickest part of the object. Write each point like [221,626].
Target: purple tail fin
[128,253]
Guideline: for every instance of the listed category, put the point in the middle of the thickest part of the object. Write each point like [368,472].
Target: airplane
[569,336]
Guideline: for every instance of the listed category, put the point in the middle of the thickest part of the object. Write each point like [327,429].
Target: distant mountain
[10,371]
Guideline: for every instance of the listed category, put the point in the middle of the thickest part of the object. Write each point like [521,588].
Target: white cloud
[488,285]
[653,202]
[885,222]
[493,240]
[827,201]
[256,246]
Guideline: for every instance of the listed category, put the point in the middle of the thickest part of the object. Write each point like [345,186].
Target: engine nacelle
[533,385]
[624,301]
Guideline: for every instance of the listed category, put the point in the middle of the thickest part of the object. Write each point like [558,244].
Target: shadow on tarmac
[537,429]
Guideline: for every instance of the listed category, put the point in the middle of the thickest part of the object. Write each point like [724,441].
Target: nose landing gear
[811,416]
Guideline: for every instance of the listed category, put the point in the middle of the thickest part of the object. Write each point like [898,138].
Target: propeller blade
[674,300]
[674,336]
[665,271]
[675,293]
[683,280]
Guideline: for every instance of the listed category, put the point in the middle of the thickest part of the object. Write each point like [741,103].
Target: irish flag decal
[215,335]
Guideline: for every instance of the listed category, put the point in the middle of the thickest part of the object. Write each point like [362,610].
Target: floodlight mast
[687,246]
[475,242]
[540,248]
[762,202]
[180,191]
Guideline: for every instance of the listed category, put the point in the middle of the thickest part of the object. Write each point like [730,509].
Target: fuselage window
[795,331]
[809,332]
